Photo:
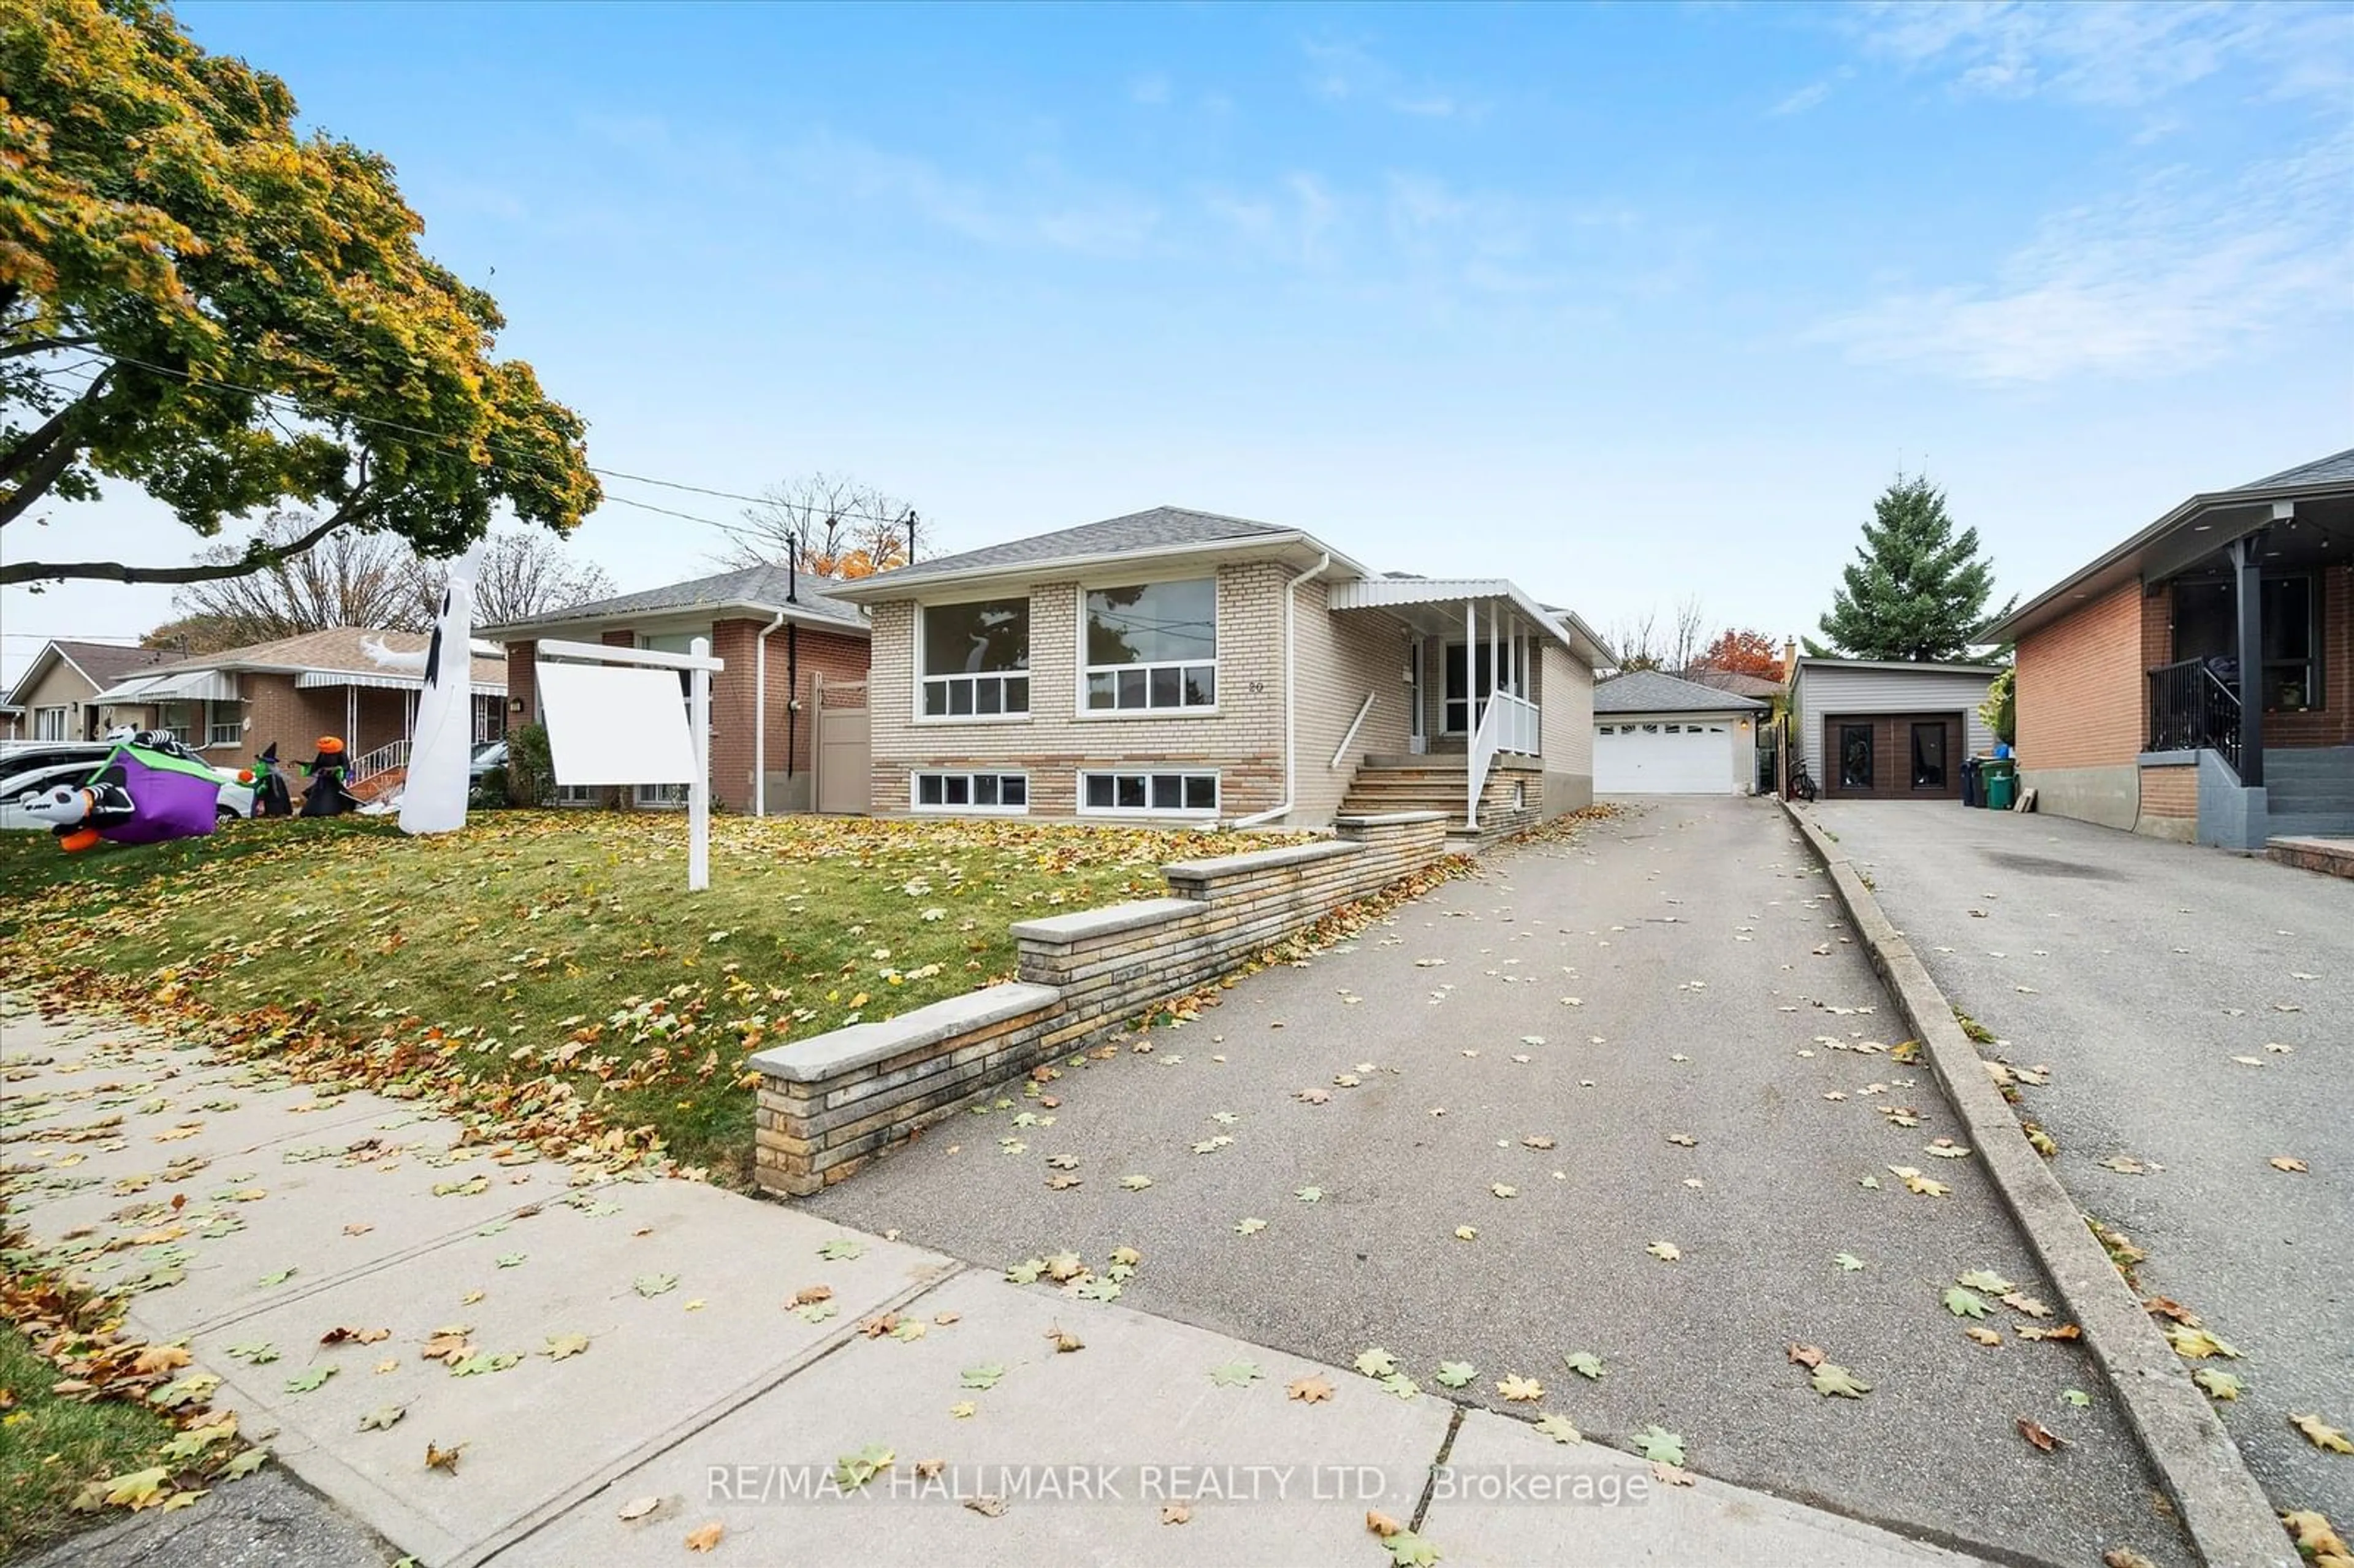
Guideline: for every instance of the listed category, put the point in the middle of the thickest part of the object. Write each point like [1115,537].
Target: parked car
[489,757]
[236,798]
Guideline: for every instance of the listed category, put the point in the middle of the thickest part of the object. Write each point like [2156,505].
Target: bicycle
[1802,783]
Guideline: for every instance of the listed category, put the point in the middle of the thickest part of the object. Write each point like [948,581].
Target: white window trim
[1029,670]
[213,726]
[916,804]
[1218,784]
[64,726]
[1518,664]
[1080,654]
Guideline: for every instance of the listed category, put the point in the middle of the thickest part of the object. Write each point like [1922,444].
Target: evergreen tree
[1916,589]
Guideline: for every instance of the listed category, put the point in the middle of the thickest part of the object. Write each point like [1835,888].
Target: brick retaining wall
[829,1103]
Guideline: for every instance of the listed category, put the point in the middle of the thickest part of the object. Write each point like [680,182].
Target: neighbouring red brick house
[2197,682]
[788,647]
[227,705]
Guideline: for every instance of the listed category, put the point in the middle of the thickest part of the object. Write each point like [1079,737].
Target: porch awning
[312,680]
[190,686]
[1410,593]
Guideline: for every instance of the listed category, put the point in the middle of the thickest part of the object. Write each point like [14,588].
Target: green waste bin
[1998,776]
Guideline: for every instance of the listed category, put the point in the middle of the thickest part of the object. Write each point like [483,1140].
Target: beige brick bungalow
[1180,664]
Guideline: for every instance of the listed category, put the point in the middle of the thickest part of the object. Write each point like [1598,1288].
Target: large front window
[1153,646]
[977,659]
[48,724]
[226,727]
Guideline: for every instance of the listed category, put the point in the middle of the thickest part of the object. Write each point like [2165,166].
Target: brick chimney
[1790,658]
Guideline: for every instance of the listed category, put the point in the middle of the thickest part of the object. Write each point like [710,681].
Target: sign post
[610,724]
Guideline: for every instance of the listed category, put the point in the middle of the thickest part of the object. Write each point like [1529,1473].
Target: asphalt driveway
[2194,1009]
[1661,1035]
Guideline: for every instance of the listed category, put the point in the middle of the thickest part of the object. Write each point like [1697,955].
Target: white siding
[1822,690]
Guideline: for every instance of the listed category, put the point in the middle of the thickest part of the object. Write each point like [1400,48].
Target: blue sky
[1629,304]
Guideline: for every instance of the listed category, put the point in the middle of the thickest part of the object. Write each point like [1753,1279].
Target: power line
[458,443]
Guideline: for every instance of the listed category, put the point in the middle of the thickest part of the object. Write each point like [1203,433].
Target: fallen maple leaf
[1310,1389]
[1659,1446]
[706,1538]
[1831,1379]
[382,1416]
[2124,1557]
[159,1359]
[989,1505]
[2027,1304]
[1808,1356]
[560,1345]
[1559,1428]
[810,1293]
[1666,1252]
[2316,1539]
[2285,1162]
[439,1458]
[1175,1514]
[2035,1431]
[2058,1331]
[1382,1524]
[1519,1389]
[2216,1381]
[638,1508]
[2321,1435]
[2167,1306]
[1985,1336]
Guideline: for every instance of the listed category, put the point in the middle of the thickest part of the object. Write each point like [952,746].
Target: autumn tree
[1741,653]
[832,524]
[198,301]
[1916,590]
[355,578]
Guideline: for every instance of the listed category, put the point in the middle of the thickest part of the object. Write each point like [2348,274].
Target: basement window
[1006,792]
[1149,794]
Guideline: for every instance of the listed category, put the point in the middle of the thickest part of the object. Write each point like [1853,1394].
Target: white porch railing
[383,757]
[1482,757]
[1519,730]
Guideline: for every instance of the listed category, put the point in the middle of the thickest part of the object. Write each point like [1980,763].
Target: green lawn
[50,1446]
[547,971]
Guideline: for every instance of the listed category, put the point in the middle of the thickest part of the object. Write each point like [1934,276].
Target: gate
[844,782]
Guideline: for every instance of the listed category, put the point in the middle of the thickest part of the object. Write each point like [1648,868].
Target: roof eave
[794,614]
[2046,605]
[884,587]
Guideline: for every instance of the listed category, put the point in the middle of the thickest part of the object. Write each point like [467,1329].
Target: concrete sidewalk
[702,1397]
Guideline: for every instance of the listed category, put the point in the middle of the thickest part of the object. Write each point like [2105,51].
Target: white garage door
[1658,757]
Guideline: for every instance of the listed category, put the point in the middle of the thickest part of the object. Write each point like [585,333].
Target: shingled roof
[763,589]
[1161,528]
[1656,692]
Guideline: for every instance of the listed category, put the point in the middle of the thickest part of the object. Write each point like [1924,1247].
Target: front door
[1893,756]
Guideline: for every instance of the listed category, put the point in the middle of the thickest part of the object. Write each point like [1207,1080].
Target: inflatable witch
[148,789]
[329,792]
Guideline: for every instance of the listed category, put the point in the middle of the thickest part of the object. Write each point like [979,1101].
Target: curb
[2229,1521]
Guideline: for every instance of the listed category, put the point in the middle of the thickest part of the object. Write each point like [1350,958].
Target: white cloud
[1044,209]
[1805,98]
[2174,274]
[2121,53]
[1340,72]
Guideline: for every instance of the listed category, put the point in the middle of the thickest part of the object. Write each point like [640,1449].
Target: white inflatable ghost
[434,800]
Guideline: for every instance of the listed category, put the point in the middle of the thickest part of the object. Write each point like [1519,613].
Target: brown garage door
[1893,756]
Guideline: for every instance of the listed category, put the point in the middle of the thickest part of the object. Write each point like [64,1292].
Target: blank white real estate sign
[609,724]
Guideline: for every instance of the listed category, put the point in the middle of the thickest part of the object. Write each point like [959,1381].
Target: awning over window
[189,686]
[312,680]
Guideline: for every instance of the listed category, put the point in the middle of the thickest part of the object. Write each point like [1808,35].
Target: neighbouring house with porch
[788,712]
[1177,664]
[227,706]
[58,695]
[2196,681]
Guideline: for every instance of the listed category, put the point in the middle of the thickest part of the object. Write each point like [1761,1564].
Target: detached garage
[1889,729]
[1655,734]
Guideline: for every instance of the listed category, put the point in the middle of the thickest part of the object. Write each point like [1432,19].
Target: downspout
[760,717]
[1290,695]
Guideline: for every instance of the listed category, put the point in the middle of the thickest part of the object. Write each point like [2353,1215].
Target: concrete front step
[2331,857]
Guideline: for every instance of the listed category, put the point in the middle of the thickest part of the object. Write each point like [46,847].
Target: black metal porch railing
[2191,708]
